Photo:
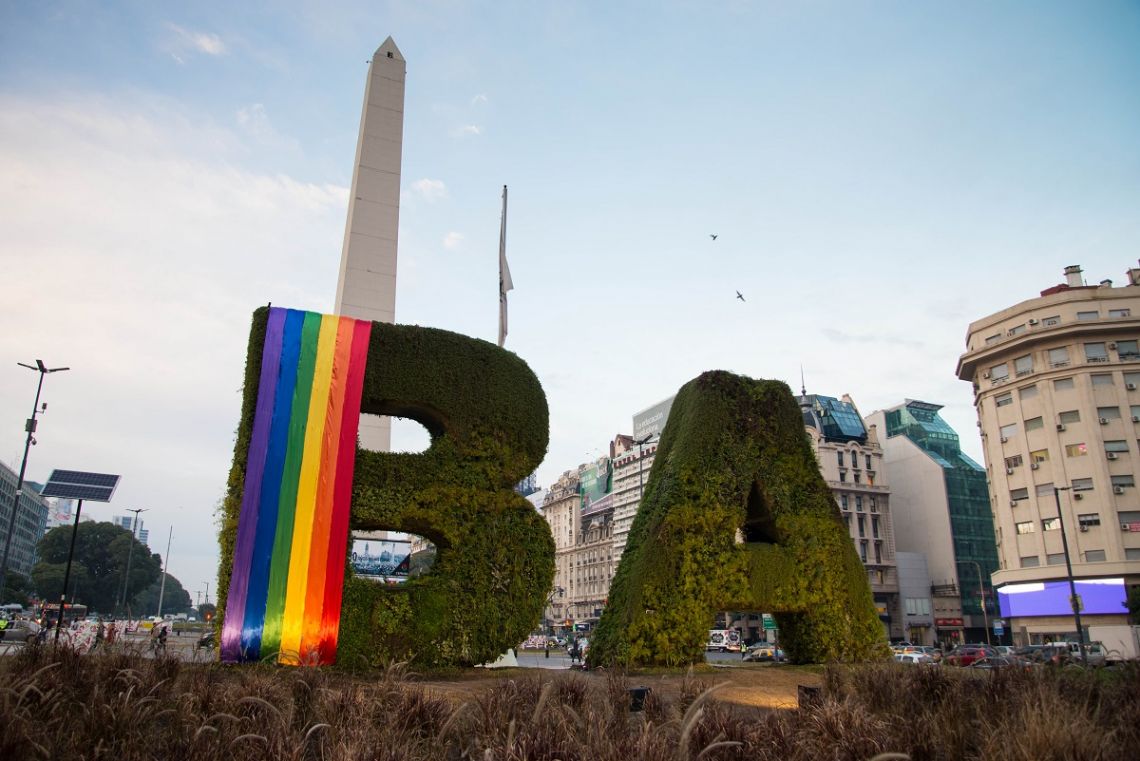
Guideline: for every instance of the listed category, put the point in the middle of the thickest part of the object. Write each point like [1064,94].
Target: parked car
[914,658]
[964,655]
[763,651]
[998,662]
[20,631]
[206,641]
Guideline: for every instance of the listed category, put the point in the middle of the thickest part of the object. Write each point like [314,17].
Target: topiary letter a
[734,461]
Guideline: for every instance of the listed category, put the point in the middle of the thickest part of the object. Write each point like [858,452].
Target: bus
[49,613]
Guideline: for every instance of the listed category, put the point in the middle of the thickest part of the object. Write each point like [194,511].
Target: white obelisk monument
[366,288]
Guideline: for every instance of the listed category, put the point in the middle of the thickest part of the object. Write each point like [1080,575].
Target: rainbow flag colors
[288,573]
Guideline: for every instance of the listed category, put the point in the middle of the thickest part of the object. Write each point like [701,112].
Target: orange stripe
[323,513]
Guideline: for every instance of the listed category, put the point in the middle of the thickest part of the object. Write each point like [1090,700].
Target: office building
[31,521]
[941,509]
[129,523]
[1056,383]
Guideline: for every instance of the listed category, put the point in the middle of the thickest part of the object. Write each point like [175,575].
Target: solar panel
[77,484]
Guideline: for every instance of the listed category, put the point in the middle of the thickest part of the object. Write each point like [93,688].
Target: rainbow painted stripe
[288,573]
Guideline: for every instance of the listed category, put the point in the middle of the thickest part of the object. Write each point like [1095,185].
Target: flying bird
[739,295]
[712,236]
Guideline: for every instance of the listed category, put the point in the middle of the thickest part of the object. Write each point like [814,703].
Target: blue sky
[878,174]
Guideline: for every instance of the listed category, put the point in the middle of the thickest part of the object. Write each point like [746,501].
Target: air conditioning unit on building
[1110,456]
[1004,439]
[1032,321]
[1104,421]
[1013,503]
[1125,527]
[1084,527]
[1060,426]
[1009,471]
[1034,466]
[1112,345]
[1130,386]
[1118,490]
[1136,418]
[1078,496]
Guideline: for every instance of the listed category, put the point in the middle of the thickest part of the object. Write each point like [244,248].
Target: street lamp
[640,466]
[30,427]
[130,550]
[982,598]
[1073,598]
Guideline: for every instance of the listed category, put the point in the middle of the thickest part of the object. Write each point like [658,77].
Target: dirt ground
[761,685]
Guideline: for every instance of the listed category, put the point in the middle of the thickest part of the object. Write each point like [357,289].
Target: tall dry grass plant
[58,704]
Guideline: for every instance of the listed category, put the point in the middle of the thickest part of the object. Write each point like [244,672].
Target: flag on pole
[505,283]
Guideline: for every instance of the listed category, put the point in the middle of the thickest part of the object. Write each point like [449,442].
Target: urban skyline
[876,178]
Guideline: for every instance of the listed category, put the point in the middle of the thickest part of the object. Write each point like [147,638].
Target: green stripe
[287,507]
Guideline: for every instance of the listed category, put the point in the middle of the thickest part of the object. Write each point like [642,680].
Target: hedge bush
[488,420]
[734,456]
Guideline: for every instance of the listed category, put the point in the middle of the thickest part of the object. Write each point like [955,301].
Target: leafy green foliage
[734,457]
[488,420]
[97,566]
[1133,604]
[175,598]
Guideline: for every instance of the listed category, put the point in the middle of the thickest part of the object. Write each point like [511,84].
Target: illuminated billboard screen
[1051,598]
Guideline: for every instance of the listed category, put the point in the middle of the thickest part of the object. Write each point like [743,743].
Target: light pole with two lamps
[130,549]
[30,427]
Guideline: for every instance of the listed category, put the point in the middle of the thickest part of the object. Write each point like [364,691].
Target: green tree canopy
[97,566]
[175,598]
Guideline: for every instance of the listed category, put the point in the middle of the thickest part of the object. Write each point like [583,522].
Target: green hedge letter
[735,461]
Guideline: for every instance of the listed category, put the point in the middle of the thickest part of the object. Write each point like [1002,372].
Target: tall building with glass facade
[31,521]
[941,509]
[1056,382]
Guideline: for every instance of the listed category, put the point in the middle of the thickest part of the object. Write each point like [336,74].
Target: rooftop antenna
[803,386]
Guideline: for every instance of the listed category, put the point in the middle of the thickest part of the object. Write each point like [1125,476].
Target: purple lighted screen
[1051,598]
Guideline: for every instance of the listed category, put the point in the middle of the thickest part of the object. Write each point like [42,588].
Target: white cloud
[467,129]
[188,40]
[430,190]
[143,249]
[254,121]
[452,240]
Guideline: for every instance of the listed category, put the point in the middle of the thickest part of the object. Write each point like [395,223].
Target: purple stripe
[254,469]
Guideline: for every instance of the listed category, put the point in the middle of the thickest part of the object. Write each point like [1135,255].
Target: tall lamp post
[30,427]
[130,550]
[640,466]
[981,598]
[1074,599]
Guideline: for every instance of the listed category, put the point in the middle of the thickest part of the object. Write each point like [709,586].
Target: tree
[175,599]
[1134,605]
[207,611]
[16,589]
[97,567]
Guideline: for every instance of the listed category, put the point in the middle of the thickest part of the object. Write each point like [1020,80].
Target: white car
[913,658]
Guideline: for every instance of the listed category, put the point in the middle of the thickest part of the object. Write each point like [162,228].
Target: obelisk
[366,287]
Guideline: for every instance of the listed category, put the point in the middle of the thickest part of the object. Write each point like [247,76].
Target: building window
[1076,450]
[1123,481]
[1051,524]
[1096,352]
[1082,484]
[1116,446]
[1134,410]
[1131,553]
[1102,379]
[1003,399]
[1034,423]
[1108,413]
[1024,527]
[1023,365]
[1039,455]
[1051,322]
[1030,561]
[1127,350]
[1132,379]
[1008,431]
[1017,330]
[1087,315]
[857,474]
[839,456]
[1070,416]
[874,506]
[1055,558]
[1059,357]
[1094,556]
[875,526]
[1088,520]
[999,372]
[917,606]
[858,504]
[842,476]
[863,551]
[1028,392]
[1063,384]
[1119,312]
[843,501]
[862,526]
[991,340]
[1013,462]
[1044,490]
[878,553]
[1018,494]
[869,462]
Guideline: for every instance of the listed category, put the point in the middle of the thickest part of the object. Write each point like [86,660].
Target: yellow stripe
[293,619]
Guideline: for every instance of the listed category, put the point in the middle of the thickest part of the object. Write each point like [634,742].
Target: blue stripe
[271,487]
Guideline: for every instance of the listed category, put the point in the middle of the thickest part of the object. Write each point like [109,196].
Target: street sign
[999,627]
[769,623]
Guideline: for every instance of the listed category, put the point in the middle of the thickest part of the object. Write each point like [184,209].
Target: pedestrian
[575,652]
[99,635]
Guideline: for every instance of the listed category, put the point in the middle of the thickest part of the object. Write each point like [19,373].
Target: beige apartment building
[1057,390]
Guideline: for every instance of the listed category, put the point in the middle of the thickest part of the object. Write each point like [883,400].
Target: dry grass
[61,705]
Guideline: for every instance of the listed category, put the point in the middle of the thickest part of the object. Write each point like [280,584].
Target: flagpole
[505,283]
